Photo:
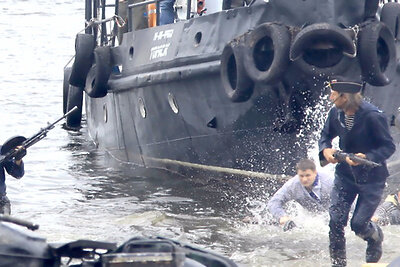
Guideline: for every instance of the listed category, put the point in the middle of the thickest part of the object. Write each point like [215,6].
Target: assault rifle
[341,157]
[8,150]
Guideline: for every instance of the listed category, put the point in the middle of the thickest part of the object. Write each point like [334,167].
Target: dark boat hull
[166,106]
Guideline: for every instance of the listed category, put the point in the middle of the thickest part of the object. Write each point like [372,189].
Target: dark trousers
[343,195]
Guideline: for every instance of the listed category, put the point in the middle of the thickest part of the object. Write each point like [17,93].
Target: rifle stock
[35,138]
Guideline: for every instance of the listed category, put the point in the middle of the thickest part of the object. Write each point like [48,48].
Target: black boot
[374,247]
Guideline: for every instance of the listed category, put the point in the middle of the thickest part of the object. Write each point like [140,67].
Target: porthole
[105,113]
[142,108]
[197,38]
[172,103]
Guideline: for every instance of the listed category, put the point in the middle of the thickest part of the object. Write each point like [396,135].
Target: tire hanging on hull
[322,49]
[266,57]
[370,8]
[75,98]
[376,52]
[99,73]
[235,80]
[84,46]
[390,15]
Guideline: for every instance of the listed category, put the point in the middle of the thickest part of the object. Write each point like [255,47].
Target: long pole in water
[29,225]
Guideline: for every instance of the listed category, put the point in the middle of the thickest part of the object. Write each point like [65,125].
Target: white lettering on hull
[163,35]
[161,50]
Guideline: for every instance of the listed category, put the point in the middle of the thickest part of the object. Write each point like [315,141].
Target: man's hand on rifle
[353,163]
[20,153]
[328,154]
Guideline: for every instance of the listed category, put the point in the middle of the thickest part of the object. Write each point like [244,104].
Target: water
[72,191]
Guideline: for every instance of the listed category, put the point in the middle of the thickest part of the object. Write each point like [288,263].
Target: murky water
[72,191]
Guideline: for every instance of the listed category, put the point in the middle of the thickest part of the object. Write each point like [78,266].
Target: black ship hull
[168,104]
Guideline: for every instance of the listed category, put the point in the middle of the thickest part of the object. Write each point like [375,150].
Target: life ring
[84,46]
[322,49]
[99,73]
[235,80]
[390,15]
[67,74]
[376,52]
[267,54]
[75,98]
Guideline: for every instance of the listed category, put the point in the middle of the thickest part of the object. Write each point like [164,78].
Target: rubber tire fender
[322,32]
[235,80]
[75,98]
[390,15]
[97,79]
[267,34]
[376,52]
[84,46]
[67,74]
[370,8]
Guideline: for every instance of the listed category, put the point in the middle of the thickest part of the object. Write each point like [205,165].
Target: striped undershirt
[349,121]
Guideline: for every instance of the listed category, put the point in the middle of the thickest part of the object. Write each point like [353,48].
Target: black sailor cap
[343,86]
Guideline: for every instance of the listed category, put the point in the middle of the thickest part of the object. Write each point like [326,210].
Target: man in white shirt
[309,188]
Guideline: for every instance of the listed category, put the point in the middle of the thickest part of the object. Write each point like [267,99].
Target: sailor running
[363,130]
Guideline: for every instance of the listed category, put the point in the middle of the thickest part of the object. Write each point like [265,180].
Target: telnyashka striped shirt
[349,121]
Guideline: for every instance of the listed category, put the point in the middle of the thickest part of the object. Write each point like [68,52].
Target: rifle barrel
[36,137]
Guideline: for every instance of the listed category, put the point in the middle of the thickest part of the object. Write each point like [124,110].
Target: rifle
[8,150]
[341,157]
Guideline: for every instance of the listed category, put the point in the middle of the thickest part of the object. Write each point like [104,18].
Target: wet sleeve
[327,179]
[383,141]
[279,199]
[327,134]
[16,171]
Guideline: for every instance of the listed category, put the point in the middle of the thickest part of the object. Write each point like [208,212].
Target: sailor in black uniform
[14,167]
[363,130]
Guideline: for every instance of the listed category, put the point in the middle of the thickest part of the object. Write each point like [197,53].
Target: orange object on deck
[151,15]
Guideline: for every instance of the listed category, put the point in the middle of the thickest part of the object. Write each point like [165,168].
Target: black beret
[345,86]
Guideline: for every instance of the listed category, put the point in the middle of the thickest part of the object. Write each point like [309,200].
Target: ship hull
[166,106]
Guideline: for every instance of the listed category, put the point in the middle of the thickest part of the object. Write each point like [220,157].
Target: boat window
[105,113]
[142,108]
[197,38]
[131,52]
[172,103]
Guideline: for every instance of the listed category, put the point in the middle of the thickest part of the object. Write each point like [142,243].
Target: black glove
[21,152]
[289,225]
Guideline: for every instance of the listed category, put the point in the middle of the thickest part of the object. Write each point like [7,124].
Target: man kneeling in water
[309,188]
